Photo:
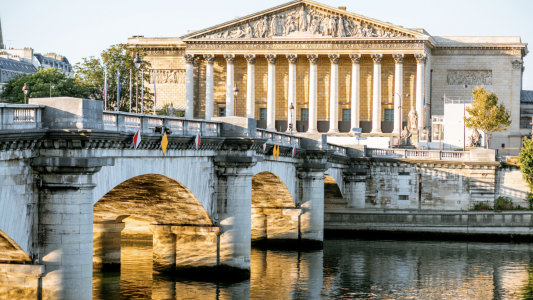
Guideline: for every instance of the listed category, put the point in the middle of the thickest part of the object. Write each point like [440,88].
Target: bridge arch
[333,196]
[285,172]
[268,190]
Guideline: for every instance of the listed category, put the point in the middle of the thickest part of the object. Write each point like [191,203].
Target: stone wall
[509,183]
[20,281]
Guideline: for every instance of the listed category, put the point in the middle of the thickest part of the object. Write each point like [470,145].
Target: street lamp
[235,92]
[52,87]
[291,107]
[400,107]
[137,62]
[464,115]
[25,89]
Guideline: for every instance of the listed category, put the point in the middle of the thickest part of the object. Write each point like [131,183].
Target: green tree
[526,166]
[117,58]
[39,84]
[486,114]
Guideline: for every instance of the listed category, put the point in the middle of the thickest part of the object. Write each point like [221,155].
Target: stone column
[209,96]
[376,99]
[293,58]
[355,190]
[334,94]
[398,92]
[234,210]
[356,59]
[230,59]
[313,92]
[311,177]
[271,92]
[66,224]
[106,245]
[189,85]
[420,67]
[250,86]
[164,248]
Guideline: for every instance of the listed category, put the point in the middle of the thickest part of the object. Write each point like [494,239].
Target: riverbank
[459,224]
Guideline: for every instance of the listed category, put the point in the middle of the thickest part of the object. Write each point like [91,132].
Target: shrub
[483,205]
[503,203]
[529,199]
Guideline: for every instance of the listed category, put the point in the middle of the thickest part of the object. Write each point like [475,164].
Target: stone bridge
[70,176]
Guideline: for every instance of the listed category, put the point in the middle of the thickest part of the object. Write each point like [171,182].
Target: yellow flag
[275,152]
[164,143]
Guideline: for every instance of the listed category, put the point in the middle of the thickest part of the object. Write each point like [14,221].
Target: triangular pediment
[304,19]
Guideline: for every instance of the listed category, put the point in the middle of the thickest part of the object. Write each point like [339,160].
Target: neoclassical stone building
[338,70]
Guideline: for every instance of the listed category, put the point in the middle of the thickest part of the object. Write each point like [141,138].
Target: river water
[345,269]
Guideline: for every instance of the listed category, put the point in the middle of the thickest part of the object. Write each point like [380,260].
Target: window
[262,114]
[222,112]
[389,115]
[304,112]
[403,197]
[346,115]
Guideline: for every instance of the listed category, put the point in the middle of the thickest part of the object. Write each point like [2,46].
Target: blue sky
[78,29]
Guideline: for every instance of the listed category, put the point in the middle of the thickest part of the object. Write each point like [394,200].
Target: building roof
[19,66]
[526,96]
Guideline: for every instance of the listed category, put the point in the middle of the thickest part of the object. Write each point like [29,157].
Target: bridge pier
[106,245]
[355,191]
[275,225]
[164,248]
[66,225]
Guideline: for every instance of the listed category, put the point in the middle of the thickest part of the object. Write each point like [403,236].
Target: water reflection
[344,269]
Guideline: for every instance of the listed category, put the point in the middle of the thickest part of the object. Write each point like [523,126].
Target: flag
[118,89]
[105,89]
[131,94]
[264,147]
[164,143]
[142,91]
[275,152]
[197,141]
[294,151]
[424,103]
[137,139]
[155,90]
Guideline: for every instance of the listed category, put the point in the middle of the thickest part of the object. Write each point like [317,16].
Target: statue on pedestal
[171,111]
[405,137]
[475,139]
[413,120]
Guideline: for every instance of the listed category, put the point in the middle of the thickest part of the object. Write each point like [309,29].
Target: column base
[376,131]
[312,131]
[396,131]
[333,131]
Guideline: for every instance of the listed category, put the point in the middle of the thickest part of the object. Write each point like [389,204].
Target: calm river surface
[360,269]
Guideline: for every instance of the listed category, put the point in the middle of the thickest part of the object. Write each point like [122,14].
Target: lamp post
[235,92]
[291,107]
[25,89]
[400,107]
[52,87]
[137,61]
[464,115]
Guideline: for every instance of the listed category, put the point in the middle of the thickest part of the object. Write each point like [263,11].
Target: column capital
[230,58]
[421,58]
[356,58]
[293,58]
[271,58]
[209,58]
[250,58]
[398,58]
[189,58]
[377,58]
[313,58]
[334,58]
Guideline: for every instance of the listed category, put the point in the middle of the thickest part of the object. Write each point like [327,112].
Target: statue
[475,139]
[404,137]
[171,111]
[413,120]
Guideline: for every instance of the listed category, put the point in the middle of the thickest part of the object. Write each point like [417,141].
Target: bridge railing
[418,154]
[279,138]
[20,116]
[339,150]
[131,122]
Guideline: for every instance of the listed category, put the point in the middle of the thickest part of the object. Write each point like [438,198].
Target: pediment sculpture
[302,21]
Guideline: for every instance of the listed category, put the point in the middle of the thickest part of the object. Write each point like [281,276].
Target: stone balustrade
[280,138]
[131,122]
[472,155]
[20,116]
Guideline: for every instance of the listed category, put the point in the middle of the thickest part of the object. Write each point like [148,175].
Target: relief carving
[168,76]
[303,20]
[517,64]
[462,77]
[305,46]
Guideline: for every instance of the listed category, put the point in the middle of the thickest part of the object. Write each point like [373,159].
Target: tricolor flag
[294,151]
[105,89]
[131,94]
[137,139]
[197,141]
[142,91]
[424,103]
[155,90]
[118,89]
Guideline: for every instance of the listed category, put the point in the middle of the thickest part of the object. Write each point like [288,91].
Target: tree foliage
[117,58]
[526,165]
[39,84]
[486,114]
